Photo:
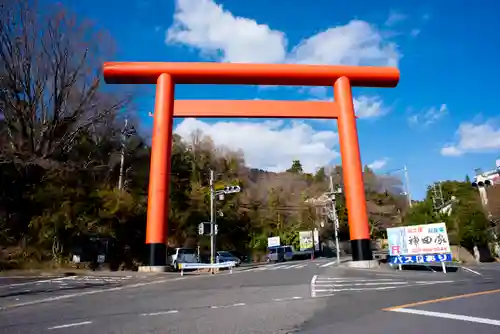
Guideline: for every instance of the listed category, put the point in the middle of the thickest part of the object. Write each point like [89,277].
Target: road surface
[295,297]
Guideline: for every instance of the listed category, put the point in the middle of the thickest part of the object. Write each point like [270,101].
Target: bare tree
[50,72]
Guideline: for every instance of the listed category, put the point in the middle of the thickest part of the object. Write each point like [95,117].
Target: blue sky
[441,120]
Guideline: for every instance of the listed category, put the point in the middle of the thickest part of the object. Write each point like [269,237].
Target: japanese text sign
[418,240]
[428,258]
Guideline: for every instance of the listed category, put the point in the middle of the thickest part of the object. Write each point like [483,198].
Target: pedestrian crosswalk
[327,286]
[66,282]
[292,265]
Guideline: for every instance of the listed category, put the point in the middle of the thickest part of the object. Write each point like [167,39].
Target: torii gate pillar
[167,75]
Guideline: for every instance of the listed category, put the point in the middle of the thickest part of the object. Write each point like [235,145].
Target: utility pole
[230,189]
[335,220]
[437,196]
[212,227]
[408,194]
[122,156]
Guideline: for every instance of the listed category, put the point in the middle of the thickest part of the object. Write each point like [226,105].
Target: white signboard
[306,240]
[418,240]
[273,242]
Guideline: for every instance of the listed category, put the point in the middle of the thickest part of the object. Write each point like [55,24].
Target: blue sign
[416,259]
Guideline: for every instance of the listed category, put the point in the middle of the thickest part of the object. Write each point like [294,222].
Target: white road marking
[264,267]
[449,316]
[313,283]
[91,292]
[227,306]
[277,267]
[433,282]
[324,295]
[328,264]
[358,289]
[36,282]
[71,325]
[287,298]
[472,271]
[360,284]
[329,285]
[339,280]
[159,313]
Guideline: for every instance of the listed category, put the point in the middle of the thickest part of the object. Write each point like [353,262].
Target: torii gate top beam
[249,74]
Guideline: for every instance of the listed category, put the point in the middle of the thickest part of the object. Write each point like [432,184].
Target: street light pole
[335,220]
[408,194]
[122,156]
[407,182]
[212,227]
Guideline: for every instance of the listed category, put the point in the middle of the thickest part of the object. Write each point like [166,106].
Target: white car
[181,255]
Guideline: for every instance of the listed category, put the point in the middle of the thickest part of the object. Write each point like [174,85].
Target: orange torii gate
[167,75]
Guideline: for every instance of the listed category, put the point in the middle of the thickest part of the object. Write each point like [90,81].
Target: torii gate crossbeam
[167,75]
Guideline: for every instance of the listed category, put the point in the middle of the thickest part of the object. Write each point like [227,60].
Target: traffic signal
[232,189]
[204,228]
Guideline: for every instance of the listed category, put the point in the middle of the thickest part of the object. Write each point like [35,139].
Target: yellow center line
[431,301]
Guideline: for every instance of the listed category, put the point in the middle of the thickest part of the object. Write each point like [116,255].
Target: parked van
[280,254]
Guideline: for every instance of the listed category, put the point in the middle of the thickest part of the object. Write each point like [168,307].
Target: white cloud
[415,32]
[206,26]
[429,116]
[369,107]
[271,145]
[378,164]
[474,138]
[356,43]
[365,106]
[394,18]
[451,151]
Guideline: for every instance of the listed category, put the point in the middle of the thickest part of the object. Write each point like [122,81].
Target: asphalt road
[295,297]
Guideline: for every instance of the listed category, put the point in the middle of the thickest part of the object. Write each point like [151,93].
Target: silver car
[225,256]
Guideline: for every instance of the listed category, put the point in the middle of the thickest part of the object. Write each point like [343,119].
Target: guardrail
[220,265]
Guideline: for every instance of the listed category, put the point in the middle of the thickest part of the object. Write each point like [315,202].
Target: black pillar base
[157,254]
[361,250]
